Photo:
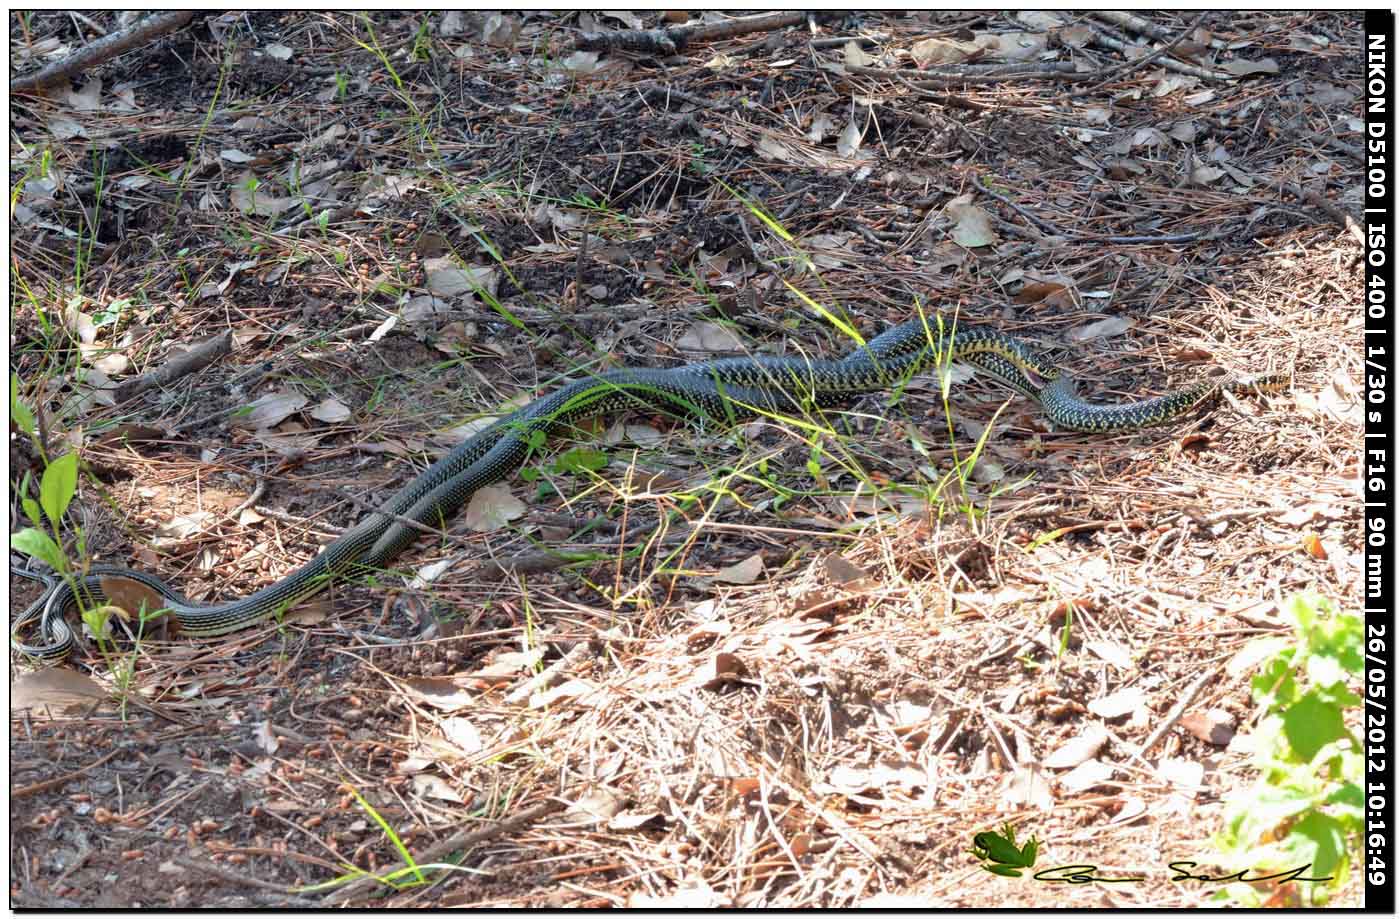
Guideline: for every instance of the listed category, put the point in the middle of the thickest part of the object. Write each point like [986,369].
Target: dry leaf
[432,786]
[417,309]
[1183,775]
[1011,46]
[1080,749]
[56,688]
[841,571]
[1086,776]
[821,126]
[972,226]
[723,668]
[454,337]
[270,410]
[1215,726]
[1243,68]
[491,508]
[597,806]
[855,57]
[463,735]
[745,572]
[442,694]
[131,595]
[1204,175]
[312,611]
[453,282]
[331,411]
[264,738]
[698,895]
[1111,651]
[933,52]
[183,526]
[848,144]
[710,336]
[855,780]
[1114,325]
[1115,705]
[1027,786]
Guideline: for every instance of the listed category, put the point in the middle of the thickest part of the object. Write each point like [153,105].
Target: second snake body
[723,389]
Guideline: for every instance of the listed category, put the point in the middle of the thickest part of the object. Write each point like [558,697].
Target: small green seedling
[1001,849]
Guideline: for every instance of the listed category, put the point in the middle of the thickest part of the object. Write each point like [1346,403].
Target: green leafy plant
[1306,808]
[57,486]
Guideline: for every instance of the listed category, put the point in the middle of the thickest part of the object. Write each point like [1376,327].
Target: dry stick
[461,841]
[547,677]
[1108,41]
[975,73]
[839,41]
[1050,228]
[234,877]
[196,358]
[61,780]
[1144,27]
[1175,714]
[1130,67]
[578,271]
[148,29]
[1336,213]
[674,38]
[1080,238]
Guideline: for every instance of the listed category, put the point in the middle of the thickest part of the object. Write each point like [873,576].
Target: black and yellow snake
[723,389]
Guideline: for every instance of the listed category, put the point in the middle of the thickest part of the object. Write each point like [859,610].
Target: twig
[1175,714]
[1082,238]
[1322,204]
[234,877]
[578,271]
[1145,27]
[147,30]
[1048,227]
[549,675]
[61,780]
[1120,71]
[524,563]
[1143,240]
[460,841]
[838,41]
[196,358]
[976,73]
[87,21]
[672,39]
[1102,37]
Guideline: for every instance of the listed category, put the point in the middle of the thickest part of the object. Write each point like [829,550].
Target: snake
[723,389]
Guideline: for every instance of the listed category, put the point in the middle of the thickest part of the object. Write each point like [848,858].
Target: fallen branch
[1327,207]
[1123,70]
[1150,29]
[1102,37]
[673,38]
[145,31]
[197,358]
[60,781]
[975,73]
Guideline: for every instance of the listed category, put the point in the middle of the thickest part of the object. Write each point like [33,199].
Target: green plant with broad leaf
[1307,806]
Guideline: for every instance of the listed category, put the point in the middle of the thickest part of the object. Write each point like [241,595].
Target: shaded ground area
[791,664]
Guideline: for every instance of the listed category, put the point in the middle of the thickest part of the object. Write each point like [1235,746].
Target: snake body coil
[723,389]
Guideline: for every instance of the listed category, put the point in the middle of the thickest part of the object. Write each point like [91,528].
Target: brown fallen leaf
[745,572]
[54,688]
[1214,726]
